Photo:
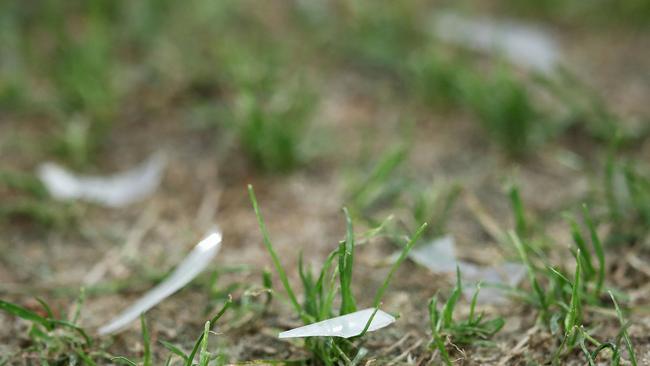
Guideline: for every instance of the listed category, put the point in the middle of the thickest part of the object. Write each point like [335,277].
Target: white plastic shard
[520,43]
[193,264]
[116,190]
[344,326]
[439,256]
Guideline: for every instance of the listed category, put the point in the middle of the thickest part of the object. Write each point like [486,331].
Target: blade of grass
[346,263]
[212,321]
[380,292]
[523,253]
[174,349]
[598,248]
[23,313]
[204,355]
[146,339]
[274,256]
[626,336]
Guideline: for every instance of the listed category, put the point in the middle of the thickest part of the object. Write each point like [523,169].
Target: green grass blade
[380,292]
[124,361]
[365,328]
[274,256]
[573,316]
[212,321]
[346,263]
[626,336]
[204,355]
[598,249]
[523,253]
[174,349]
[46,307]
[521,224]
[585,254]
[450,305]
[26,314]
[146,339]
[472,306]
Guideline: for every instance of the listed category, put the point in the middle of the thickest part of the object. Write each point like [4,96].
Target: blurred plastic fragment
[114,191]
[345,326]
[439,256]
[522,44]
[193,264]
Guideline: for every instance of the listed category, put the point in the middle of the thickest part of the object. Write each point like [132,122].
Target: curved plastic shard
[439,256]
[522,44]
[344,326]
[116,190]
[193,264]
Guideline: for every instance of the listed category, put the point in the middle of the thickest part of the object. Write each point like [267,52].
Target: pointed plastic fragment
[193,264]
[116,190]
[522,44]
[344,326]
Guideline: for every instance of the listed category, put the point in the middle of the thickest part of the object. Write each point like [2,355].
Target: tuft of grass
[24,198]
[271,128]
[623,333]
[505,110]
[320,290]
[437,80]
[200,348]
[475,330]
[627,194]
[51,338]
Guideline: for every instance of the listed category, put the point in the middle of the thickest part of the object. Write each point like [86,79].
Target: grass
[320,290]
[271,128]
[52,338]
[25,199]
[251,78]
[561,302]
[627,195]
[200,348]
[445,330]
[505,110]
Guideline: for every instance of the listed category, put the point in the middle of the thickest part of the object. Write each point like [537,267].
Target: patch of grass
[271,128]
[378,37]
[436,78]
[627,194]
[433,204]
[475,330]
[388,185]
[52,339]
[561,301]
[505,110]
[380,185]
[200,348]
[24,198]
[319,291]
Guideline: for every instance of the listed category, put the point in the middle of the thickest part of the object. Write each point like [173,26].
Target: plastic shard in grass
[193,264]
[345,326]
[520,43]
[439,256]
[116,190]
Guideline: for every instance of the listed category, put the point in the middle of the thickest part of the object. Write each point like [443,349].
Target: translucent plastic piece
[345,326]
[439,256]
[522,44]
[193,264]
[116,190]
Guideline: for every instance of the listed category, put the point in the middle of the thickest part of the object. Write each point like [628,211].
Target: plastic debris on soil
[116,190]
[520,43]
[193,264]
[439,256]
[344,326]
